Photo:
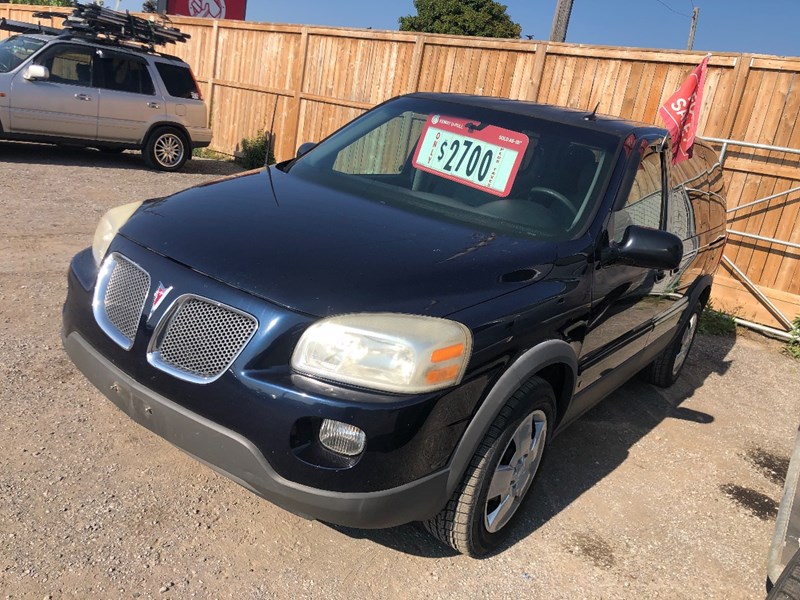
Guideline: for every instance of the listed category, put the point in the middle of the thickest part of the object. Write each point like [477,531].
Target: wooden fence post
[415,73]
[297,99]
[742,70]
[212,81]
[538,69]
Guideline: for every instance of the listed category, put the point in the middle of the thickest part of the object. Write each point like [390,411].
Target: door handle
[83,97]
[153,105]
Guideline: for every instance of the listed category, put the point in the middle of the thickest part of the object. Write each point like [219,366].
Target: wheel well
[562,380]
[705,295]
[186,137]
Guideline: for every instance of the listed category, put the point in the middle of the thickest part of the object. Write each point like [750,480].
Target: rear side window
[178,80]
[125,75]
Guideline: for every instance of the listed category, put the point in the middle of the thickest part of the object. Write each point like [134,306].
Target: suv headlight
[107,228]
[385,351]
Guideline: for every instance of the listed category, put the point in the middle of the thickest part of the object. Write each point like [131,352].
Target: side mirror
[304,148]
[36,72]
[647,248]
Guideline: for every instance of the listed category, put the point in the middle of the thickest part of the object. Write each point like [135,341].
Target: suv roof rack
[98,24]
[22,27]
[92,20]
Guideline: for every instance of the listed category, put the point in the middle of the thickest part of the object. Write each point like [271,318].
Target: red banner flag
[681,112]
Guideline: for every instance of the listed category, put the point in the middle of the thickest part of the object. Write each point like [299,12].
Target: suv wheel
[667,366]
[476,519]
[166,149]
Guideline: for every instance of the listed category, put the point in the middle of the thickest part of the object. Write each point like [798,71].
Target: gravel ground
[654,493]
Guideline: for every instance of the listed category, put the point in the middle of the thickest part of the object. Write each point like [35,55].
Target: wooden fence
[304,82]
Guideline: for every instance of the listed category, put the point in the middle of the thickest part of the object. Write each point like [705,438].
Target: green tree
[480,18]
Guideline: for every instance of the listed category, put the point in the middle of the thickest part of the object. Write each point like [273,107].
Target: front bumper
[237,458]
[256,423]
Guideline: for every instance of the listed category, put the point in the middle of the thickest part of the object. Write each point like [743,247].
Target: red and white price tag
[482,157]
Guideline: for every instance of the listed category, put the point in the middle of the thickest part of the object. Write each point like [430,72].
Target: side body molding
[531,362]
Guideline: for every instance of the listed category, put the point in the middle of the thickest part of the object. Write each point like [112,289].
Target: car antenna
[592,116]
[270,151]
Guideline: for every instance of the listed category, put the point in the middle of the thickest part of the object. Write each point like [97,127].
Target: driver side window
[70,65]
[643,206]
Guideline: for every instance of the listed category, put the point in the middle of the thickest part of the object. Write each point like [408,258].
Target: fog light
[342,438]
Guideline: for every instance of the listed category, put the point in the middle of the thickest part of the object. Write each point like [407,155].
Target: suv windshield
[505,171]
[14,50]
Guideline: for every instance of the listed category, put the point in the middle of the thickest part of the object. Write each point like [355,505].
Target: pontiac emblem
[158,296]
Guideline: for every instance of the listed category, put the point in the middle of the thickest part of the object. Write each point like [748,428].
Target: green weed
[715,322]
[255,151]
[792,348]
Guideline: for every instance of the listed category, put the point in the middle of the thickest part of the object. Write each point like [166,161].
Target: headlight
[108,227]
[389,352]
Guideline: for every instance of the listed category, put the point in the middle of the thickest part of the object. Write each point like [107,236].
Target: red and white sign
[681,113]
[484,157]
[211,9]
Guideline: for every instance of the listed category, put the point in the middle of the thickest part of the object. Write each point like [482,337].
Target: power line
[668,7]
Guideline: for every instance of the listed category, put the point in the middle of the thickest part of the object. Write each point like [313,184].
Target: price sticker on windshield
[480,156]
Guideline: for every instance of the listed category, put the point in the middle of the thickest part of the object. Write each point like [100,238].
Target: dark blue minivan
[392,326]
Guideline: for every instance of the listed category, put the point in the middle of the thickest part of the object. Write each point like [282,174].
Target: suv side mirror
[36,72]
[647,248]
[304,148]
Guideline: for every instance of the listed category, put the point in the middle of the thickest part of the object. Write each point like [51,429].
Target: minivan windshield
[472,164]
[14,51]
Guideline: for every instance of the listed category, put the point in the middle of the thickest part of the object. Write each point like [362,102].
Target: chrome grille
[120,294]
[201,339]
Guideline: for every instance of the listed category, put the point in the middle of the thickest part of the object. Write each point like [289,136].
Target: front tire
[166,149]
[478,516]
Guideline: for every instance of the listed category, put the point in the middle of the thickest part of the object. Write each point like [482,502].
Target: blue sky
[759,26]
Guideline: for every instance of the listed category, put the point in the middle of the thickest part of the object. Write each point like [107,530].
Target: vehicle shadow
[71,156]
[587,451]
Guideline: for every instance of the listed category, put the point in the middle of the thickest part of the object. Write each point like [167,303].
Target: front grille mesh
[204,338]
[125,296]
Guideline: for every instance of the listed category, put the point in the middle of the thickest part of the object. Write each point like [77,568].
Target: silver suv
[64,89]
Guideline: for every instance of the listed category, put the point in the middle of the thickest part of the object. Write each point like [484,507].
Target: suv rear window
[178,80]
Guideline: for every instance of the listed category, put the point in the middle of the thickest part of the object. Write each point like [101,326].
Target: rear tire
[477,518]
[667,366]
[166,149]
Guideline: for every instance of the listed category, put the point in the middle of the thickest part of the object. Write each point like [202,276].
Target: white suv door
[63,105]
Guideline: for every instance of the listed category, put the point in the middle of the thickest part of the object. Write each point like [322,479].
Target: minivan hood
[323,252]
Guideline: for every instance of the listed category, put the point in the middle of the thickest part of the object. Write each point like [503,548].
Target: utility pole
[695,14]
[558,33]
